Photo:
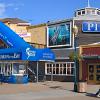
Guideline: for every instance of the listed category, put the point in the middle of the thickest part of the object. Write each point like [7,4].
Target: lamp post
[75,32]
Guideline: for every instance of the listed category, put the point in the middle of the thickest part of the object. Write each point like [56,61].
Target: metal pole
[37,72]
[88,3]
[75,60]
[52,73]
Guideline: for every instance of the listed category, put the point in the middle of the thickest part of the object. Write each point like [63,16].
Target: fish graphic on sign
[30,52]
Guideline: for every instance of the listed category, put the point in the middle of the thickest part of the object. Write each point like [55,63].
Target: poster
[59,35]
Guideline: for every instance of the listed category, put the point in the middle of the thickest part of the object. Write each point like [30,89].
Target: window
[98,12]
[2,44]
[89,12]
[19,68]
[83,12]
[93,12]
[65,68]
[6,69]
[15,68]
[79,12]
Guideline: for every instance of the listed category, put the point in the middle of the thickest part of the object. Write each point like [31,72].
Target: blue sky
[41,11]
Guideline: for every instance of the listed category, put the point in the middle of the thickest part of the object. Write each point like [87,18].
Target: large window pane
[15,68]
[60,68]
[57,70]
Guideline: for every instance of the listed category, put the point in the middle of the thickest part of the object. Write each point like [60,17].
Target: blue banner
[20,49]
[91,26]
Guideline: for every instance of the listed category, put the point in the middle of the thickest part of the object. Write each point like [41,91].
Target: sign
[30,52]
[47,55]
[10,56]
[88,52]
[91,26]
[24,34]
[59,35]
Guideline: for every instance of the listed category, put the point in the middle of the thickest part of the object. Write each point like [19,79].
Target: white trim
[24,24]
[60,73]
[94,43]
[62,57]
[61,62]
[47,60]
[65,48]
[18,74]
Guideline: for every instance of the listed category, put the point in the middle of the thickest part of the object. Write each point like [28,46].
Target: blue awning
[19,49]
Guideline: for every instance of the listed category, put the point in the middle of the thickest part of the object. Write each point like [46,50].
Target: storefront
[90,64]
[15,57]
[13,72]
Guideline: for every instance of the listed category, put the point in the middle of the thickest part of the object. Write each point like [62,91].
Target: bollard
[82,87]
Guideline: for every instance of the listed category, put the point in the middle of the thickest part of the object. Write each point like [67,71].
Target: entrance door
[98,74]
[94,73]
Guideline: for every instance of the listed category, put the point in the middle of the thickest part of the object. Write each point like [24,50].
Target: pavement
[46,91]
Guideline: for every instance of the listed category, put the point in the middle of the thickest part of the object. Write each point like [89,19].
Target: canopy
[19,49]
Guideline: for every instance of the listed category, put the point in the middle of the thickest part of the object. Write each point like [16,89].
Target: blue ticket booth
[15,57]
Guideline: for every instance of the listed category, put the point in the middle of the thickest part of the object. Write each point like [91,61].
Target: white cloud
[16,8]
[2,9]
[10,5]
[15,5]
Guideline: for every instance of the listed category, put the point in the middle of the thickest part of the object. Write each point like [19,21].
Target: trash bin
[82,87]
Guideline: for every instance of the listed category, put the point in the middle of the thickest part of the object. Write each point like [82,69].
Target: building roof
[58,21]
[35,26]
[12,20]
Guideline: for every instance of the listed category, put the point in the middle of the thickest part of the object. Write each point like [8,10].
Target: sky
[41,11]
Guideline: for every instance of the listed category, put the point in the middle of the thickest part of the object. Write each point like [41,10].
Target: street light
[75,32]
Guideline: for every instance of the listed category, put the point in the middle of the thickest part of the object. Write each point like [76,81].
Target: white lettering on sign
[30,52]
[24,34]
[4,38]
[85,55]
[92,25]
[10,56]
[47,55]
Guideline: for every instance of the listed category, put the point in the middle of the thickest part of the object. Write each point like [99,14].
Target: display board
[59,35]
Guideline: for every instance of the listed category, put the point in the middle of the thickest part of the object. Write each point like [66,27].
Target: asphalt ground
[46,91]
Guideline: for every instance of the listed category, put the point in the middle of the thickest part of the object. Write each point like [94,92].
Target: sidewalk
[44,91]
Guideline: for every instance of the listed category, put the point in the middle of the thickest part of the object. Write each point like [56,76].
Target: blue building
[15,54]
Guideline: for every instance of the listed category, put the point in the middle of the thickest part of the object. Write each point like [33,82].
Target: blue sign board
[91,26]
[10,56]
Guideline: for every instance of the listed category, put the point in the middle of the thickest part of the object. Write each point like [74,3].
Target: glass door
[94,73]
[98,74]
[91,74]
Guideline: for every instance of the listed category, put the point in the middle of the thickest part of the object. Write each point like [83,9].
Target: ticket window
[19,69]
[94,73]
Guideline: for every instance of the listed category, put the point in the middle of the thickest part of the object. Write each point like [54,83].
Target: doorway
[94,73]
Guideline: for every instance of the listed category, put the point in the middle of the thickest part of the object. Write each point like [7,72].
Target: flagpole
[88,3]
